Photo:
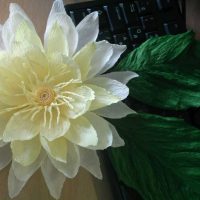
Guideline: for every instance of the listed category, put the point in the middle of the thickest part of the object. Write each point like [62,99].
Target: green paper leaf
[161,157]
[169,72]
[157,50]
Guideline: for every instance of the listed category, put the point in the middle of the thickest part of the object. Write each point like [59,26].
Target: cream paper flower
[53,98]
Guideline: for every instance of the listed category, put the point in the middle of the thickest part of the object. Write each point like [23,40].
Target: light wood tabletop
[84,186]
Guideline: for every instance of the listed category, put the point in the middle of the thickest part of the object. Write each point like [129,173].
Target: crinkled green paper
[161,158]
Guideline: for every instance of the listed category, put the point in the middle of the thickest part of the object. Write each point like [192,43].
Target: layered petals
[82,132]
[21,127]
[14,184]
[90,161]
[57,148]
[71,167]
[115,111]
[26,152]
[58,15]
[103,130]
[53,178]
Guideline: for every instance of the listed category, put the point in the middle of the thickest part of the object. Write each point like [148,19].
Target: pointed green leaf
[161,157]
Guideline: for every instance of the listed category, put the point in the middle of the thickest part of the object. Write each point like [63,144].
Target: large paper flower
[53,98]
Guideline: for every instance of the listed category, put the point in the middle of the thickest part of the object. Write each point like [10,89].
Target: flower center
[45,96]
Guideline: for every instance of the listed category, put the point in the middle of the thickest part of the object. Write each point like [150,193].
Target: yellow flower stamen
[45,96]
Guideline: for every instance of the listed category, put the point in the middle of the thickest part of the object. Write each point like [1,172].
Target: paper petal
[88,30]
[53,178]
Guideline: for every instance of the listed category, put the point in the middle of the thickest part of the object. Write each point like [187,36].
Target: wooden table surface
[84,186]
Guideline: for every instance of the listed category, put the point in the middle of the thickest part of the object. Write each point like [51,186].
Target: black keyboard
[131,22]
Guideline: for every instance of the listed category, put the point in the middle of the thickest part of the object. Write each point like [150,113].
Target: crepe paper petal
[101,56]
[57,41]
[117,140]
[55,129]
[104,133]
[90,161]
[71,167]
[83,59]
[165,152]
[5,156]
[14,185]
[88,30]
[53,178]
[58,15]
[23,173]
[17,27]
[57,148]
[118,50]
[123,77]
[25,152]
[116,88]
[82,97]
[82,132]
[20,127]
[115,111]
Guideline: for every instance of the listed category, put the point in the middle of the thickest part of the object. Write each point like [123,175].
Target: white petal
[56,130]
[103,98]
[4,118]
[103,130]
[53,178]
[90,161]
[5,156]
[123,77]
[117,51]
[56,41]
[20,127]
[16,17]
[24,173]
[88,30]
[82,132]
[83,59]
[26,152]
[82,97]
[71,167]
[14,185]
[115,111]
[102,55]
[57,148]
[116,88]
[117,140]
[58,14]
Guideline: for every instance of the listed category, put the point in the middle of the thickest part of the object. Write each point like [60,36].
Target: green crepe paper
[169,72]
[161,157]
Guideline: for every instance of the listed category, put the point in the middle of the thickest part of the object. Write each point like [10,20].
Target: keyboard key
[122,39]
[78,15]
[171,28]
[151,34]
[103,20]
[115,18]
[144,7]
[105,35]
[130,13]
[148,22]
[136,34]
[164,4]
